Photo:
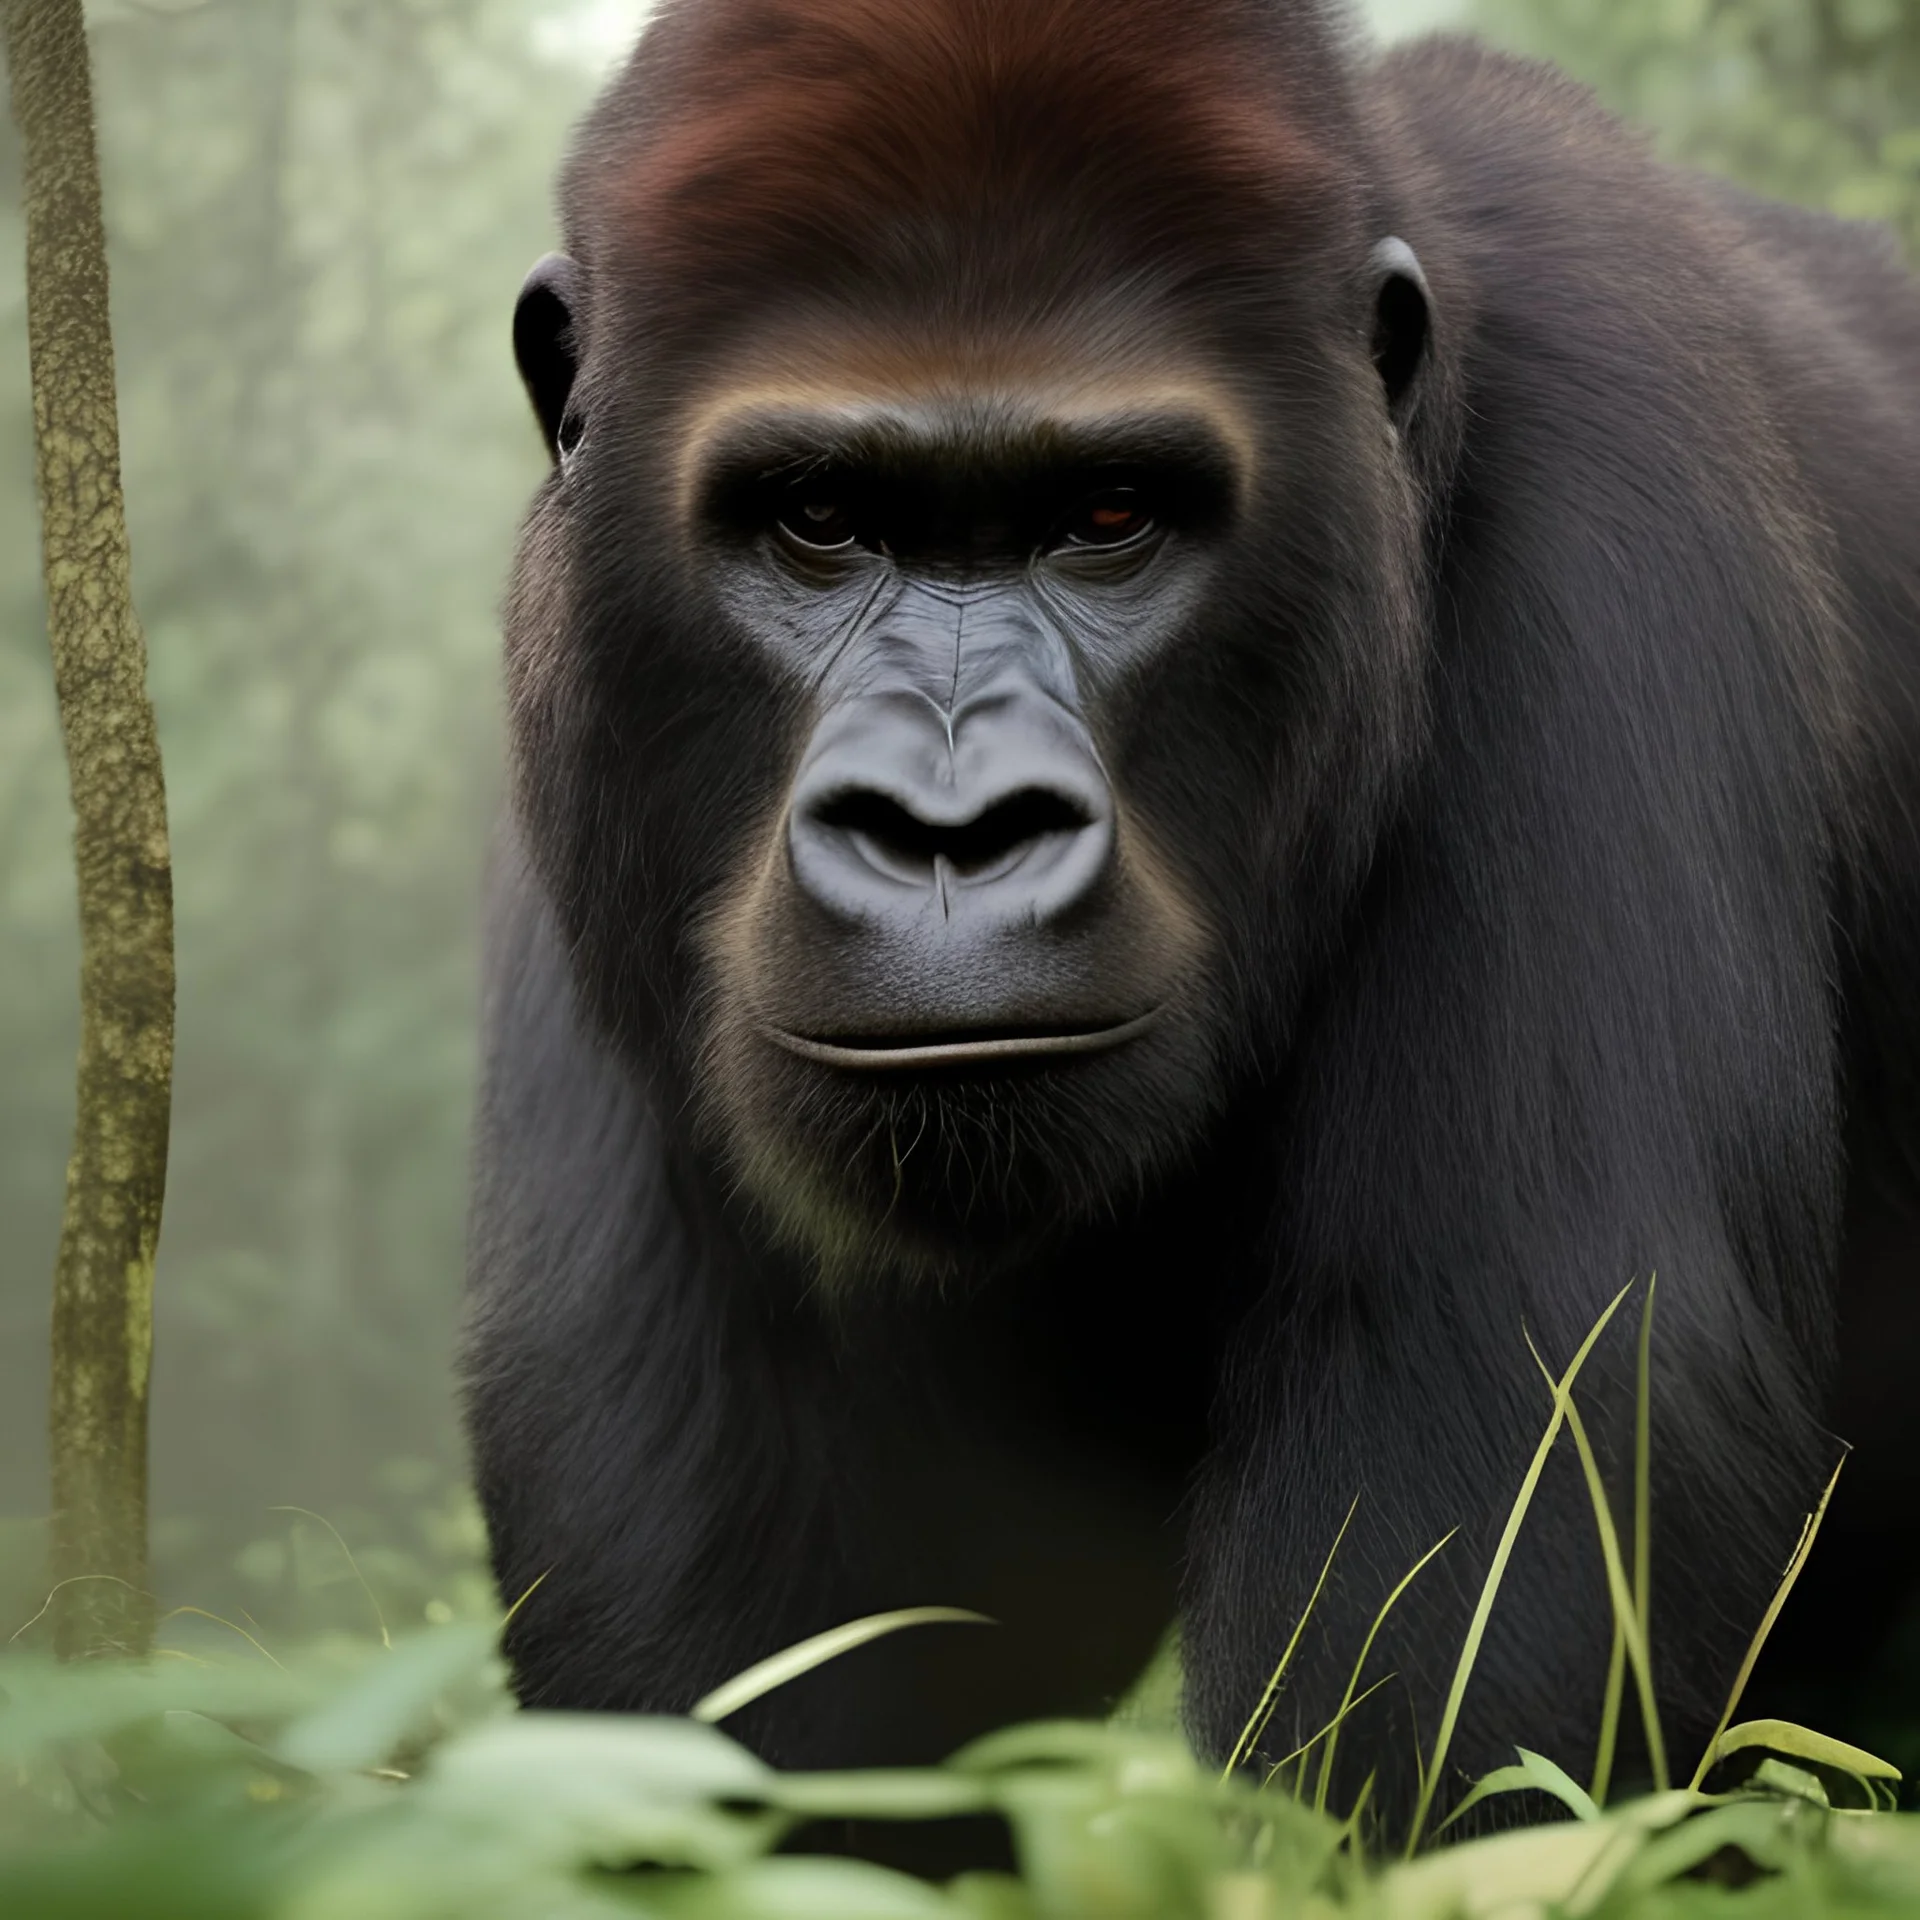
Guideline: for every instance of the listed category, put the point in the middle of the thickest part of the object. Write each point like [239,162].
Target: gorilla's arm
[1585,1030]
[637,1449]
[1499,1119]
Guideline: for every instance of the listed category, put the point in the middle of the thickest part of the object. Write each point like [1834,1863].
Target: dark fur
[1564,870]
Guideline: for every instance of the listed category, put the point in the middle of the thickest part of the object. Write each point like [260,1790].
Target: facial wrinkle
[862,617]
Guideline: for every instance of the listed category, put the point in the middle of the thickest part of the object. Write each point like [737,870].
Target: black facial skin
[1154,817]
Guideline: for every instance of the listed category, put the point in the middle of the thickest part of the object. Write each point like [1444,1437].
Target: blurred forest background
[319,212]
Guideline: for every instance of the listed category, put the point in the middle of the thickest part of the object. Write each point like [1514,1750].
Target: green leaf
[775,1671]
[43,1705]
[184,1760]
[1135,1856]
[1550,1778]
[546,1757]
[1534,1773]
[1528,1872]
[1757,1828]
[800,1888]
[892,1795]
[990,1896]
[1137,1759]
[534,1794]
[1801,1743]
[1787,1782]
[189,1869]
[363,1725]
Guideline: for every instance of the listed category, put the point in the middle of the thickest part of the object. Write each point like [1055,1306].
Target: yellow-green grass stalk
[1263,1712]
[1609,1716]
[1642,1556]
[1496,1573]
[1643,1471]
[1625,1613]
[1349,1701]
[1350,1828]
[791,1662]
[353,1565]
[1808,1533]
[539,1580]
[1313,1740]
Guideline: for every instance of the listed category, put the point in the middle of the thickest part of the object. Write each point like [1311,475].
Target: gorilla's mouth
[984,1046]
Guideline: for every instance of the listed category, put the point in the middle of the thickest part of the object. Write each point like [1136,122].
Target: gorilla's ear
[544,346]
[1402,318]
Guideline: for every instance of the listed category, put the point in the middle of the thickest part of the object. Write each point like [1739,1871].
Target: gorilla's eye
[819,523]
[1114,518]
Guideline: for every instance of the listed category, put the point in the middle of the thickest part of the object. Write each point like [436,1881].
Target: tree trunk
[103,1279]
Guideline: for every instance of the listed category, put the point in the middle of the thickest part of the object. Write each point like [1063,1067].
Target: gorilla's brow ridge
[760,431]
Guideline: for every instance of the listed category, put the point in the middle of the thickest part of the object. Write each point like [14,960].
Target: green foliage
[1816,101]
[392,1785]
[397,1785]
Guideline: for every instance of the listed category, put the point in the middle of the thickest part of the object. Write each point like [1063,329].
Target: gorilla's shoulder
[1542,215]
[1494,137]
[1462,100]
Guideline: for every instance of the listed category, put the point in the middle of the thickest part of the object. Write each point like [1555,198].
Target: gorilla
[1203,728]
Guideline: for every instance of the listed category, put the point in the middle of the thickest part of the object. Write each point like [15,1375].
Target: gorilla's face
[984,829]
[959,986]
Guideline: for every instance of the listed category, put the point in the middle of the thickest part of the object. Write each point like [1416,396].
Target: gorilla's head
[971,635]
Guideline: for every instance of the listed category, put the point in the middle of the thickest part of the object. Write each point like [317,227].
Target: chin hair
[934,1183]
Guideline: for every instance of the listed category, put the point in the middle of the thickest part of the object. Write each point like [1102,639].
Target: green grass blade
[1535,1774]
[1808,1534]
[1351,1836]
[1625,1619]
[1642,1557]
[1496,1572]
[1263,1712]
[353,1566]
[508,1617]
[789,1664]
[1802,1743]
[1307,1746]
[1610,1715]
[1643,1472]
[361,1725]
[1348,1702]
[1500,1780]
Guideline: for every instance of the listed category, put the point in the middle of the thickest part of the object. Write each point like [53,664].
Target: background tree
[318,213]
[117,1172]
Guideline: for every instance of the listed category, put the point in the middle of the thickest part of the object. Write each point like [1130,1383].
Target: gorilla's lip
[962,1050]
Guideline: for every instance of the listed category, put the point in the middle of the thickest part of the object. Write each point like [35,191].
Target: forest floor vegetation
[383,1779]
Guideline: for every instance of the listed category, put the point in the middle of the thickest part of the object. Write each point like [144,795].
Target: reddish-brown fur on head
[965,147]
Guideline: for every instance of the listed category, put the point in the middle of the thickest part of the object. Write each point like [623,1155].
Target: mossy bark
[116,1176]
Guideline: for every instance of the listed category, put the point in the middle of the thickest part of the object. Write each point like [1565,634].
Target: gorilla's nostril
[992,839]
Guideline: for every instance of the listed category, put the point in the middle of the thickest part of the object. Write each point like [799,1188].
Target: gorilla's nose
[1000,812]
